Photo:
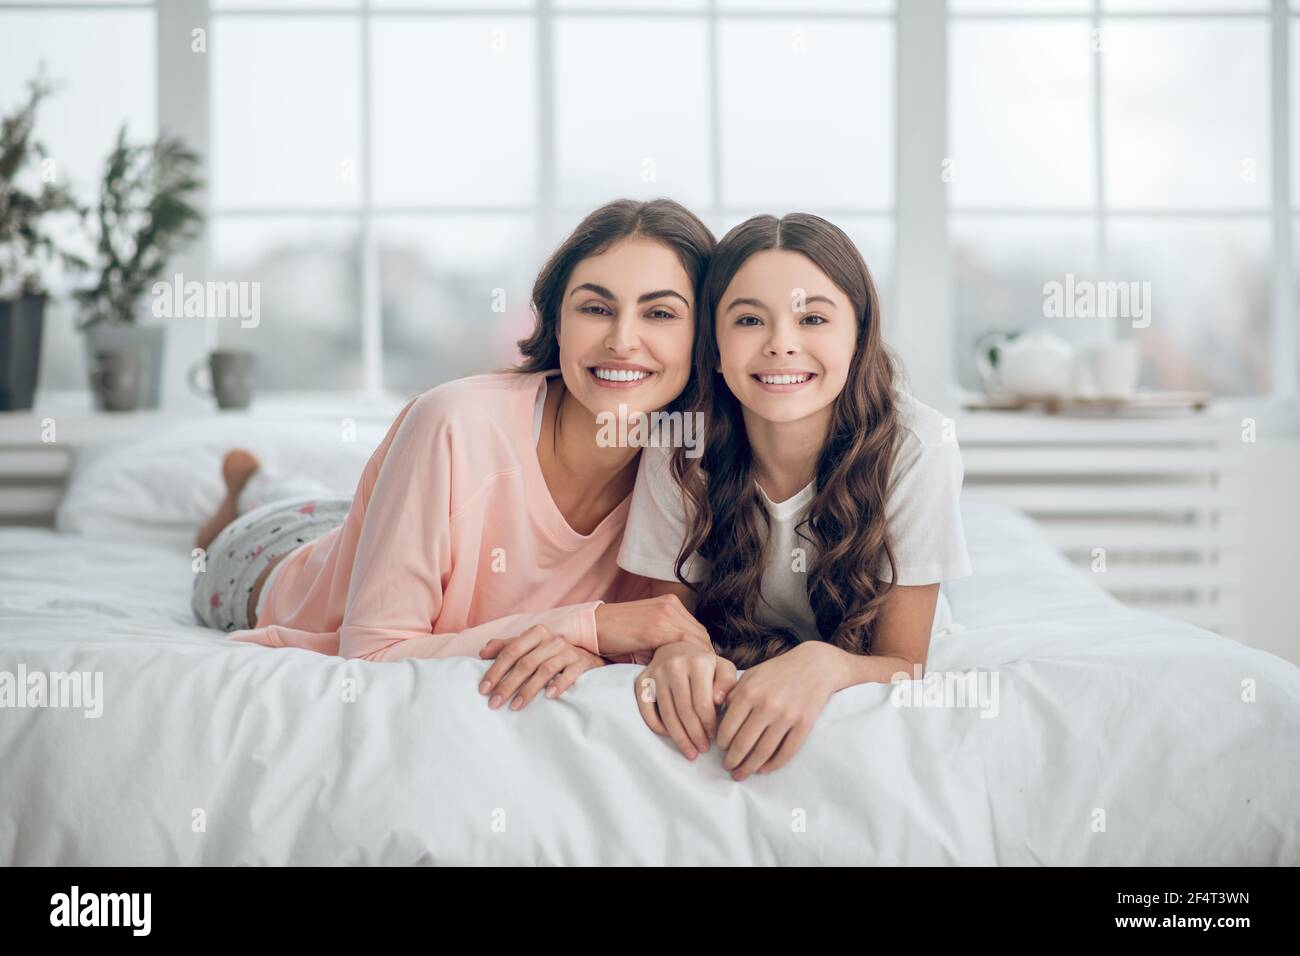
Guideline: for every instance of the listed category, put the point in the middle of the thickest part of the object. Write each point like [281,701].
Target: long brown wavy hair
[728,523]
[667,221]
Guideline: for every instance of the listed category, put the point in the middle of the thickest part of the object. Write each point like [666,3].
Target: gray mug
[231,375]
[117,377]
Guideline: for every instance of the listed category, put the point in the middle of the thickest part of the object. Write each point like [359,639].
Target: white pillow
[171,481]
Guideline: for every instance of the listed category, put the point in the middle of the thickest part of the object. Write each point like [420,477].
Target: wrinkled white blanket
[1115,737]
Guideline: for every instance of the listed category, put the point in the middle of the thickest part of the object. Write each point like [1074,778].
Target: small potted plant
[27,249]
[143,217]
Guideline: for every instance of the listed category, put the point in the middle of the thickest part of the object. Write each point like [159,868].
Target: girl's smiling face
[627,326]
[786,336]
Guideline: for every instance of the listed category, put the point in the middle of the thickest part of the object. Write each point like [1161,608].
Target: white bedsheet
[1120,738]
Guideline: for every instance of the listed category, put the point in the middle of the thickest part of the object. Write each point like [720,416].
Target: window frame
[919,213]
[1278,213]
[547,209]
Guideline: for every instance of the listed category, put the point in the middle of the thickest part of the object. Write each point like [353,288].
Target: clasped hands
[539,658]
[767,713]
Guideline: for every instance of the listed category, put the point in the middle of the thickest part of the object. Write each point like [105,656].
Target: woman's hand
[679,693]
[529,662]
[774,707]
[647,625]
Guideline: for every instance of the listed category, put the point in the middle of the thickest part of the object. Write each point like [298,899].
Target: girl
[488,520]
[811,536]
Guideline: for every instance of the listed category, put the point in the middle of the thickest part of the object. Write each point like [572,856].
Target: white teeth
[783,379]
[619,375]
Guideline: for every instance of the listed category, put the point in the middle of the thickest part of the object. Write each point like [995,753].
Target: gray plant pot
[123,335]
[21,324]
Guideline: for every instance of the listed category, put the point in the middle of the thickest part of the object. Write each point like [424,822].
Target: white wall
[1271,562]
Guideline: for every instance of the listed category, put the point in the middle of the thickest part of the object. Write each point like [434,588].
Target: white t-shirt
[922,509]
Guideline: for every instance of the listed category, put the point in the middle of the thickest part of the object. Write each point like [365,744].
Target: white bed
[1120,737]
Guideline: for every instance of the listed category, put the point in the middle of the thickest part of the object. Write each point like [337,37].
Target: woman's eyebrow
[598,289]
[661,294]
[820,298]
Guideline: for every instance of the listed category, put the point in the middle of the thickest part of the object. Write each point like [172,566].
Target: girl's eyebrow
[648,297]
[750,302]
[754,303]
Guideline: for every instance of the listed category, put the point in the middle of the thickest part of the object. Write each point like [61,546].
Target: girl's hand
[774,707]
[679,693]
[528,663]
[647,625]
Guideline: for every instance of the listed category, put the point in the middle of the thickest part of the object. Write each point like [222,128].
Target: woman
[811,537]
[488,520]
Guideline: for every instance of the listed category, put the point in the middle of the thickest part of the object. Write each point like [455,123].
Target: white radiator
[1150,507]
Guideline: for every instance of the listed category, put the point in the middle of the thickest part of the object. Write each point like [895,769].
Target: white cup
[1110,370]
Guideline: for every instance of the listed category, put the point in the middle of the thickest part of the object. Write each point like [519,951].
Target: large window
[79,49]
[1117,141]
[394,173]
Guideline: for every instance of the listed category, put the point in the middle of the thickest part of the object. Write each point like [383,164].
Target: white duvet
[1118,737]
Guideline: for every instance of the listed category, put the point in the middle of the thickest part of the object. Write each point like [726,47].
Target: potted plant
[26,249]
[143,218]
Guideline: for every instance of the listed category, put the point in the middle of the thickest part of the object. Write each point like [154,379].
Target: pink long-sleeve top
[452,539]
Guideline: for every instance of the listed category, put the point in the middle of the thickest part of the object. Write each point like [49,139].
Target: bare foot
[238,465]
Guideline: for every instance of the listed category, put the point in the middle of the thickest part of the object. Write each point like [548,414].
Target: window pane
[1020,120]
[440,4]
[1000,265]
[79,122]
[286,111]
[246,4]
[1186,113]
[630,4]
[851,6]
[1019,6]
[1183,6]
[1295,112]
[632,114]
[455,295]
[309,333]
[807,112]
[1295,280]
[433,142]
[1209,278]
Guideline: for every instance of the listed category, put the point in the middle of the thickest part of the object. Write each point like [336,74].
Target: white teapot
[1026,365]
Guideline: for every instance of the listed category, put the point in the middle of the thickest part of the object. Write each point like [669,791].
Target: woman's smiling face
[627,326]
[786,336]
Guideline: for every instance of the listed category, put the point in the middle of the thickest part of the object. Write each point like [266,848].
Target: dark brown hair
[663,219]
[729,526]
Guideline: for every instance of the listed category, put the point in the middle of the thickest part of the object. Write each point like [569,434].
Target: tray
[1141,401]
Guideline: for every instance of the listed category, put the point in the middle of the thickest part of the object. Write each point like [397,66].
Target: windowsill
[268,406]
[1276,416]
[1281,412]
